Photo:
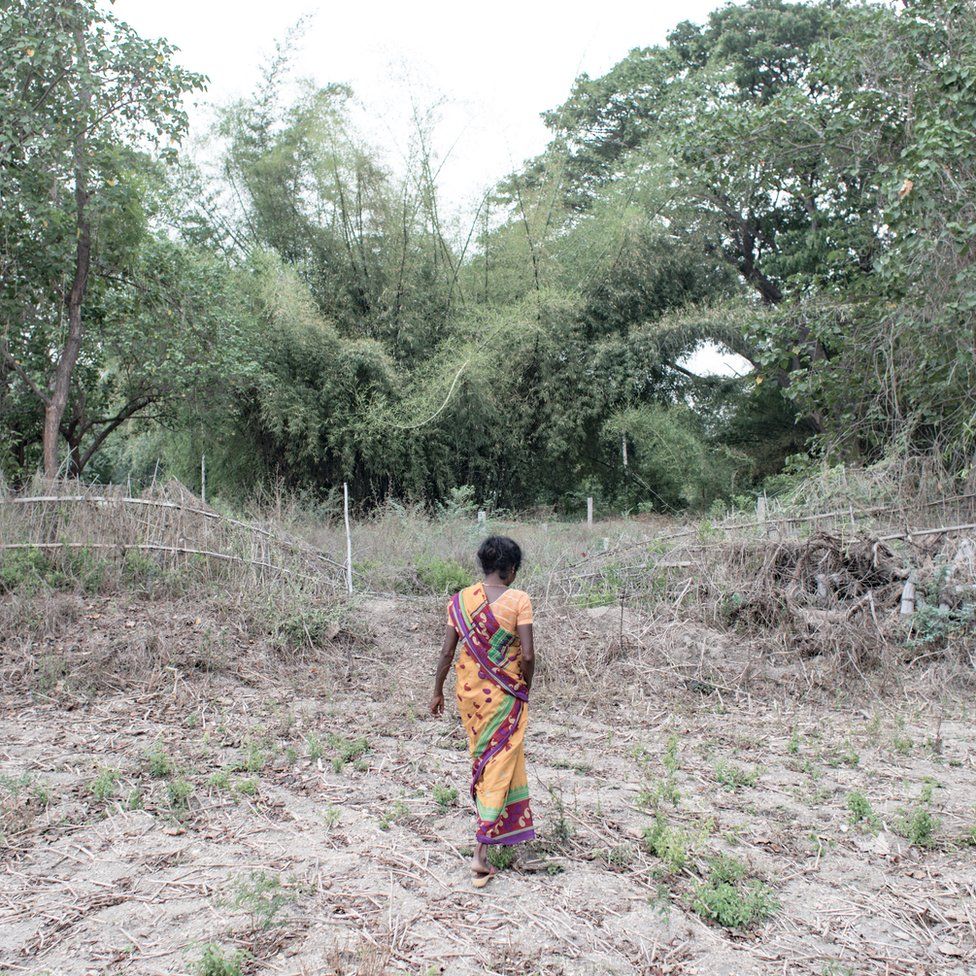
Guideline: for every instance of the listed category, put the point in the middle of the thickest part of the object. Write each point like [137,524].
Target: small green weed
[445,796]
[917,824]
[262,896]
[501,857]
[729,900]
[215,961]
[179,791]
[734,777]
[668,843]
[103,786]
[398,811]
[159,764]
[314,747]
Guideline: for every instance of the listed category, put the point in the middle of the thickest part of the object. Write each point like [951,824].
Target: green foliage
[159,764]
[729,900]
[860,810]
[501,857]
[734,777]
[445,796]
[178,792]
[670,844]
[104,785]
[442,576]
[216,961]
[262,895]
[917,823]
[398,811]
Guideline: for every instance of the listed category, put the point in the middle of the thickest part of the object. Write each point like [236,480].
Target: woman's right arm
[528,653]
[443,666]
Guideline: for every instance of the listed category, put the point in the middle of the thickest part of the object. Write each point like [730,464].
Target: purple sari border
[520,838]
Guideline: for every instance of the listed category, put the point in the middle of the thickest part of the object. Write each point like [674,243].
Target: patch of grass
[441,576]
[844,755]
[902,745]
[726,898]
[159,764]
[398,811]
[501,857]
[734,777]
[246,787]
[670,844]
[220,781]
[314,747]
[445,796]
[560,830]
[619,856]
[331,816]
[347,750]
[860,810]
[262,895]
[669,758]
[793,746]
[178,792]
[216,961]
[103,786]
[254,759]
[27,571]
[917,824]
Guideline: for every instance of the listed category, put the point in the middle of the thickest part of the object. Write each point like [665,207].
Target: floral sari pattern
[493,702]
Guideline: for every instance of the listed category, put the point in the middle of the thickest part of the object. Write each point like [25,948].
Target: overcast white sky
[496,66]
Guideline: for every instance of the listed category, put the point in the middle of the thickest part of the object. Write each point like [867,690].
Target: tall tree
[78,87]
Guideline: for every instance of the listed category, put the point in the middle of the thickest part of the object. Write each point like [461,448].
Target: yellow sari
[493,702]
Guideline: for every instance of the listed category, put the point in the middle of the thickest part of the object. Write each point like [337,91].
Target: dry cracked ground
[221,819]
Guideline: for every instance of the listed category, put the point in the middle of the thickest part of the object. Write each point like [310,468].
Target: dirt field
[205,802]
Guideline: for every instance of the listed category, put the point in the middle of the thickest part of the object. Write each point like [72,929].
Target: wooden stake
[589,511]
[203,478]
[345,498]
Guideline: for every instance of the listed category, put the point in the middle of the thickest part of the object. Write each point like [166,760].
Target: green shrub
[102,787]
[729,900]
[860,809]
[442,576]
[27,570]
[179,792]
[445,796]
[159,764]
[917,824]
[215,962]
[501,857]
[670,844]
[262,896]
[734,777]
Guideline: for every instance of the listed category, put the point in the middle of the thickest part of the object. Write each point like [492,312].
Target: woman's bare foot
[479,862]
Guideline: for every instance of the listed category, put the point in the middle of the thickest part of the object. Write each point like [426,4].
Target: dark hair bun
[499,554]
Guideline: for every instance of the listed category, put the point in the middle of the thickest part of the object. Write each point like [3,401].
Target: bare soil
[204,799]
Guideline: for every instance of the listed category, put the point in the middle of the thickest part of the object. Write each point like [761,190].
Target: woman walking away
[494,672]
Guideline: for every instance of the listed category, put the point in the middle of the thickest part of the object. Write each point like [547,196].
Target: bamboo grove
[791,182]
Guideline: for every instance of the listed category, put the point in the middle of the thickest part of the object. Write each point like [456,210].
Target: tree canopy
[793,182]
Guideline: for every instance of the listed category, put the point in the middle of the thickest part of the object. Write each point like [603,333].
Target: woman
[494,672]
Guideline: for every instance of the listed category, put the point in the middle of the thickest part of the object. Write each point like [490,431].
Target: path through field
[245,813]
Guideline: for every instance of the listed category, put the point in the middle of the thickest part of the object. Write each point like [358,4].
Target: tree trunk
[61,381]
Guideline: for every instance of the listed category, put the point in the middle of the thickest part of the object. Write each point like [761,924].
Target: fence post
[203,477]
[589,510]
[345,508]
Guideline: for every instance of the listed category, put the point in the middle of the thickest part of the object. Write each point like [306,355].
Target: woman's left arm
[443,666]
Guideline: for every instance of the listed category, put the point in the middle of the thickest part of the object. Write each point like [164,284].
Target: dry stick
[175,506]
[152,547]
